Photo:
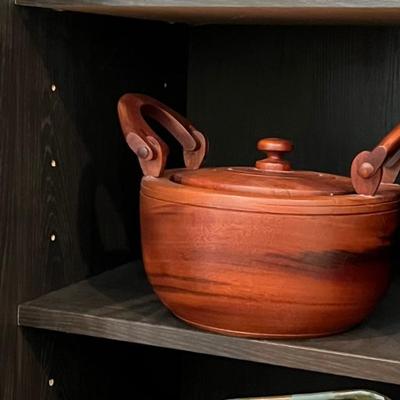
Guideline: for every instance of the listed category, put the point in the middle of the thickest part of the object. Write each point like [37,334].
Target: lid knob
[275,148]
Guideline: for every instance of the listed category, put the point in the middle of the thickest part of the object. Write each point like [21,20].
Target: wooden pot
[264,252]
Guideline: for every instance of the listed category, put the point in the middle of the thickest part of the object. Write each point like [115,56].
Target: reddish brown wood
[387,198]
[382,164]
[275,148]
[266,251]
[391,143]
[146,144]
[365,178]
[267,183]
[265,274]
[245,264]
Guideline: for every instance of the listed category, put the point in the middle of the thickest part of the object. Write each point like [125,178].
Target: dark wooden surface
[336,89]
[120,305]
[237,11]
[333,91]
[89,199]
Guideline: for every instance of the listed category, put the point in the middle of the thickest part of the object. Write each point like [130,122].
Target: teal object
[345,395]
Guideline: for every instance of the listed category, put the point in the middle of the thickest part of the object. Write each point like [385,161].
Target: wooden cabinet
[69,186]
[237,11]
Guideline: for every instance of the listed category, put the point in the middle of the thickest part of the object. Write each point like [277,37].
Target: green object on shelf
[345,395]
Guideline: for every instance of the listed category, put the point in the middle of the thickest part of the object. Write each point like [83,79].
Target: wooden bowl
[260,268]
[263,252]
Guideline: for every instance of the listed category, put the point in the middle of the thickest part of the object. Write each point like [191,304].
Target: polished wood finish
[361,174]
[308,275]
[275,148]
[306,194]
[146,144]
[382,164]
[270,184]
[120,305]
[152,153]
[266,274]
[237,11]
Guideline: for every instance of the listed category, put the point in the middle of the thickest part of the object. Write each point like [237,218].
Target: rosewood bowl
[264,251]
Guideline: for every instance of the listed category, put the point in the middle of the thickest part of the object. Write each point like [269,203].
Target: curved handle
[382,164]
[146,144]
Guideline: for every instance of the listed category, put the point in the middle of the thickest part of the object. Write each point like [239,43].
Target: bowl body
[265,271]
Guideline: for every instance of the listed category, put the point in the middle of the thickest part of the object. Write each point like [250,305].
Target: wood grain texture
[275,149]
[8,215]
[237,11]
[262,274]
[332,91]
[379,164]
[259,182]
[255,3]
[87,195]
[258,198]
[150,149]
[120,305]
[348,64]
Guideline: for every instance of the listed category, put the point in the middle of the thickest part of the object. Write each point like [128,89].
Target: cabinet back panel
[88,197]
[333,90]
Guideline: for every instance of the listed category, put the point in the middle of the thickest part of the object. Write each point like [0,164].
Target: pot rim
[164,189]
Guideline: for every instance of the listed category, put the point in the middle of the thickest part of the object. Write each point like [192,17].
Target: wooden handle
[275,149]
[146,144]
[382,164]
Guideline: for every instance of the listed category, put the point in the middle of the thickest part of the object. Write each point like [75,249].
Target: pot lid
[271,176]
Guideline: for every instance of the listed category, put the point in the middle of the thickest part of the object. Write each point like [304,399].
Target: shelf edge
[194,13]
[188,339]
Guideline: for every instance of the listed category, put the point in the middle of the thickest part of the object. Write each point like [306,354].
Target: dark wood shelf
[120,305]
[237,11]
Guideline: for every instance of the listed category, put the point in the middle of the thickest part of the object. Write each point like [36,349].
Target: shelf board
[120,305]
[237,11]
